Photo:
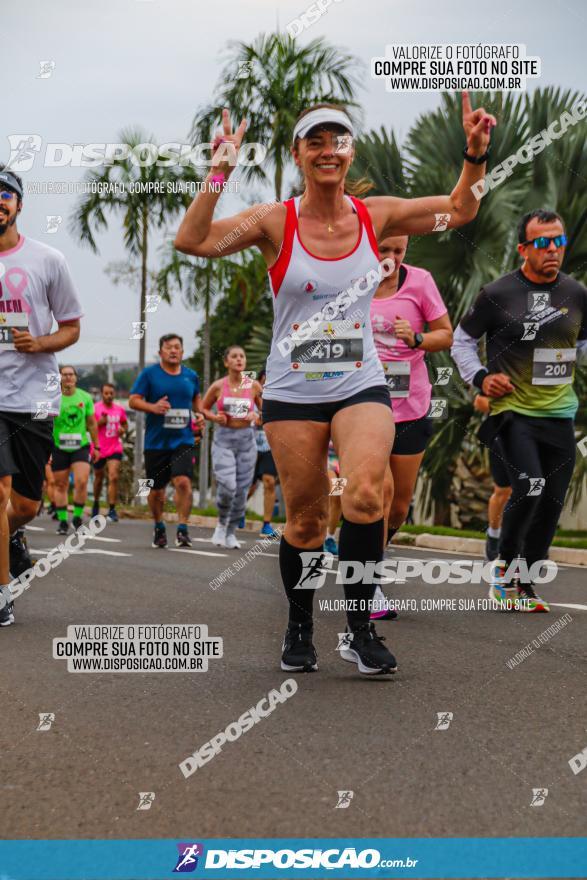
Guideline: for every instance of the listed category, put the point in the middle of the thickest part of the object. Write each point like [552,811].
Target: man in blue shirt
[169,392]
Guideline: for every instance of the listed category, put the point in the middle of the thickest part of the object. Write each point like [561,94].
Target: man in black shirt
[534,321]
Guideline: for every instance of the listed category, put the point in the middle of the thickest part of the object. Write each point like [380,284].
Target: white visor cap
[322,116]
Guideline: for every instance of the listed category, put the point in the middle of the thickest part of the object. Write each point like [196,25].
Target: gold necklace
[329,226]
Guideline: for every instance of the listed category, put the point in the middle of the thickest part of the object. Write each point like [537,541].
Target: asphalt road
[117,734]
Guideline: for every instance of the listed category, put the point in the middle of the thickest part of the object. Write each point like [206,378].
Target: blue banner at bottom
[222,858]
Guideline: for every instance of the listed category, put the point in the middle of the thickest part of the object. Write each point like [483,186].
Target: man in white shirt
[35,289]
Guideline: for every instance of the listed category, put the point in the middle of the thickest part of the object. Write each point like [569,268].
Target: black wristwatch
[418,340]
[476,160]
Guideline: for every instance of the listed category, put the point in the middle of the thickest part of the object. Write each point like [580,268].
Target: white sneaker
[232,542]
[219,536]
[380,609]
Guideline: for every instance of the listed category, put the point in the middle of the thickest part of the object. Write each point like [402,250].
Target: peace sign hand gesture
[477,125]
[226,146]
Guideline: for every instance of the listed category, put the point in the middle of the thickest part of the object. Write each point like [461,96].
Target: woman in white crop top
[324,377]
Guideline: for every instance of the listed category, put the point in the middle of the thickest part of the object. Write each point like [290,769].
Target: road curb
[475,545]
[426,540]
[206,522]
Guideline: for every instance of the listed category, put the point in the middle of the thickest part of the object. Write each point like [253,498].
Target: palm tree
[145,197]
[378,157]
[281,78]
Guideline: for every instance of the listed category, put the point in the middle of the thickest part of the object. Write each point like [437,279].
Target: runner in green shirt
[72,430]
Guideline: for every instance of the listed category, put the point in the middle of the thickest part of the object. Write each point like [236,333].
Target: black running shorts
[278,410]
[25,447]
[62,459]
[116,456]
[161,465]
[265,465]
[411,437]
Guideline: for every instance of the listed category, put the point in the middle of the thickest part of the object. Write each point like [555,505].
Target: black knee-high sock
[360,542]
[290,564]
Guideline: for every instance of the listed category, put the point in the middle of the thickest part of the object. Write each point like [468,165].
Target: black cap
[8,180]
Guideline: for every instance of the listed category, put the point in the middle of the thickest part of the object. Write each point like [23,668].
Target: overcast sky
[153,63]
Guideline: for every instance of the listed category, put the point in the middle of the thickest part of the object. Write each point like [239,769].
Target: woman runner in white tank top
[324,377]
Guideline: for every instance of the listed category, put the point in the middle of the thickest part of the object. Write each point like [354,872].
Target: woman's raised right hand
[226,146]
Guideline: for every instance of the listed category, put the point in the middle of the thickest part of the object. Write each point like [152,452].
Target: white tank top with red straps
[322,347]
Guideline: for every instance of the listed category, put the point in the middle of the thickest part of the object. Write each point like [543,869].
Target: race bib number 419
[332,345]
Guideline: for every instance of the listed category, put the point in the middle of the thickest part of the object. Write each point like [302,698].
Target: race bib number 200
[553,366]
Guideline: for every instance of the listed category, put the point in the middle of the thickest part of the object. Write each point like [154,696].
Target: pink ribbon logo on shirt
[16,280]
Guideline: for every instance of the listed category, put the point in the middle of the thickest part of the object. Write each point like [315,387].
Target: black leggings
[534,449]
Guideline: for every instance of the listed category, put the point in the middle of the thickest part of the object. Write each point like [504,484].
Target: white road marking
[561,605]
[197,552]
[202,540]
[109,540]
[98,552]
[35,528]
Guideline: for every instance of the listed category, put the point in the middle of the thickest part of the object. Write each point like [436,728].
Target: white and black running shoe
[20,559]
[182,538]
[491,547]
[63,527]
[367,650]
[299,654]
[160,537]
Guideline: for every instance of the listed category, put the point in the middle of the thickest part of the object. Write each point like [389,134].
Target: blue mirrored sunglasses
[6,195]
[543,241]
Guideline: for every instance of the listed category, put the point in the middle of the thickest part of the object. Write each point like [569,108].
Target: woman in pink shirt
[405,304]
[112,425]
